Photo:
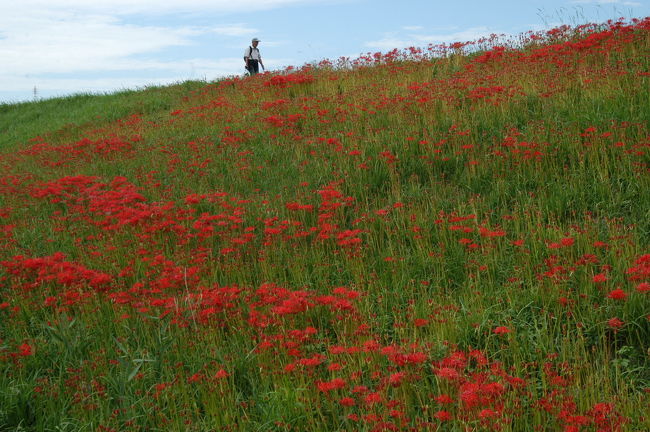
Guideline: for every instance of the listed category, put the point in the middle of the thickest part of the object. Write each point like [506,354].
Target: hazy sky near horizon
[62,47]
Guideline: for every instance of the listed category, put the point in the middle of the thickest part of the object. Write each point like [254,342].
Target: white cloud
[234,30]
[148,7]
[50,43]
[158,73]
[142,73]
[399,40]
[71,43]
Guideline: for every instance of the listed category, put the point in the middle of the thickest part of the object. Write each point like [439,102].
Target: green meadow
[448,238]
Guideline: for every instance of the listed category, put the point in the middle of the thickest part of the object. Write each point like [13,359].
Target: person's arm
[261,64]
[246,57]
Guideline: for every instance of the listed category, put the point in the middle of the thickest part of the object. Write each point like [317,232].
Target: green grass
[66,117]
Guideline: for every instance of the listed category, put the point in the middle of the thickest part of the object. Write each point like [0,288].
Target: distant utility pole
[35,93]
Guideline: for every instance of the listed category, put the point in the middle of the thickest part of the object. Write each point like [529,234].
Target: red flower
[197,377]
[327,386]
[50,301]
[447,373]
[615,323]
[334,367]
[415,358]
[641,270]
[444,399]
[373,398]
[567,241]
[25,350]
[443,415]
[221,373]
[600,278]
[501,330]
[396,379]
[617,294]
[487,413]
[421,322]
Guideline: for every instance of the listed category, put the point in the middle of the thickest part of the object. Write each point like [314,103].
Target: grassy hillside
[451,238]
[20,122]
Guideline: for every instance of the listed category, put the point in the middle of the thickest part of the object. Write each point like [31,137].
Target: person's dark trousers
[253,66]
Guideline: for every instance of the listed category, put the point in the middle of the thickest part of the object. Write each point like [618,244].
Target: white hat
[255,40]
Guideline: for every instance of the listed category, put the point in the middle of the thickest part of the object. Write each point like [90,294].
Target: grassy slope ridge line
[69,115]
[453,238]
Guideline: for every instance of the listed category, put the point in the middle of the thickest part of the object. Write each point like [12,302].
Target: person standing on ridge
[252,58]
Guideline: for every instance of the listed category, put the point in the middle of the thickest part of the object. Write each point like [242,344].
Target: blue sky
[63,47]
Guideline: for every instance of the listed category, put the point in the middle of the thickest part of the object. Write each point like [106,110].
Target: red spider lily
[160,387]
[334,367]
[600,278]
[221,374]
[313,361]
[195,378]
[447,373]
[489,233]
[372,398]
[444,399]
[55,268]
[388,157]
[289,80]
[25,350]
[641,269]
[565,242]
[360,389]
[615,323]
[617,294]
[456,360]
[443,415]
[328,386]
[396,379]
[297,207]
[421,322]
[488,413]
